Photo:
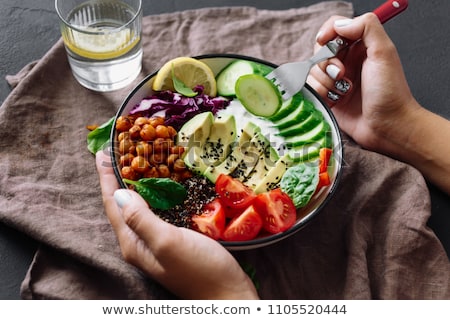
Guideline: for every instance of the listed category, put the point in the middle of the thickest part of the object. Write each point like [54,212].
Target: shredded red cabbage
[178,108]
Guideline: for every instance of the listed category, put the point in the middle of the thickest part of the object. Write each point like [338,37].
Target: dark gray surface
[30,28]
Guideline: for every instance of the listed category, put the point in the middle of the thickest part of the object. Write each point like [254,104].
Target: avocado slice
[230,163]
[195,131]
[217,145]
[274,175]
[266,161]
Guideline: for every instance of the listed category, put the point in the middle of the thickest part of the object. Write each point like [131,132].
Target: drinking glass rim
[114,30]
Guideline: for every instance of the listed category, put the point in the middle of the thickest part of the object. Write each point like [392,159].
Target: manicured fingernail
[342,85]
[343,22]
[122,197]
[332,71]
[319,34]
[333,96]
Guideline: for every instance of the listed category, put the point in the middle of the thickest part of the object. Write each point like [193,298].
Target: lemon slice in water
[190,71]
[100,46]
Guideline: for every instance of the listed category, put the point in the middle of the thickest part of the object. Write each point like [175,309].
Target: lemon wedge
[100,46]
[190,71]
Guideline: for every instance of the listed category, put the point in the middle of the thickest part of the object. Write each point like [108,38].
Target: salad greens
[160,193]
[98,138]
[300,182]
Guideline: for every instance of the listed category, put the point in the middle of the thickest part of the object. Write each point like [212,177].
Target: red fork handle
[390,9]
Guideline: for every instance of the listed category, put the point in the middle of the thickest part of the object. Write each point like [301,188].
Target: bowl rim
[269,239]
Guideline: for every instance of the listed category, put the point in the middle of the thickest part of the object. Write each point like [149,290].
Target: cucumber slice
[309,137]
[226,79]
[258,95]
[288,107]
[304,126]
[300,114]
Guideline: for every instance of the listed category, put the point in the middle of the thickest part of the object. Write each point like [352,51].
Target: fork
[291,77]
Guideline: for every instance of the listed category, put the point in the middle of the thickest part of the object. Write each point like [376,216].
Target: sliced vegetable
[226,79]
[244,227]
[160,193]
[98,138]
[277,210]
[233,193]
[212,220]
[178,108]
[324,159]
[258,95]
[300,183]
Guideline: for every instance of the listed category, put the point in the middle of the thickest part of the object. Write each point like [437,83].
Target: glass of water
[102,40]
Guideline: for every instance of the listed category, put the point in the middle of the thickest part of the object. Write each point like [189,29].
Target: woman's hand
[379,96]
[379,112]
[187,263]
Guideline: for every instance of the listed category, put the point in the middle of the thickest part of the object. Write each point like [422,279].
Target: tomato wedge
[212,221]
[276,209]
[243,227]
[233,193]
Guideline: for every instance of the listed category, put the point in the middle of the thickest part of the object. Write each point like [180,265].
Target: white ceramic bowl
[305,215]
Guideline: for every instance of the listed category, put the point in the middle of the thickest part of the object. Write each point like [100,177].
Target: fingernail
[332,71]
[122,197]
[333,96]
[319,34]
[342,85]
[343,22]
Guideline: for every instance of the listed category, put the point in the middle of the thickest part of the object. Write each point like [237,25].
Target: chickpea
[157,158]
[123,124]
[125,145]
[134,132]
[171,159]
[128,173]
[123,135]
[162,132]
[186,174]
[179,165]
[156,121]
[141,121]
[152,173]
[148,132]
[179,150]
[160,145]
[164,171]
[126,159]
[143,149]
[172,131]
[140,164]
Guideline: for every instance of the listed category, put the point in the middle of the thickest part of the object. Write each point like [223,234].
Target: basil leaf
[160,193]
[96,139]
[300,183]
[181,88]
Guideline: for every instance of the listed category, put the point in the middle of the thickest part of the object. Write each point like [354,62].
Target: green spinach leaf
[300,183]
[98,138]
[160,193]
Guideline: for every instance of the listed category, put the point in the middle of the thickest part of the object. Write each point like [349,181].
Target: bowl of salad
[211,145]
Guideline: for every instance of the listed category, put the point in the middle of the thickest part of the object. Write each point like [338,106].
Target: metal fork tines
[291,77]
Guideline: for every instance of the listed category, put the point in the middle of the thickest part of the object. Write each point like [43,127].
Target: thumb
[138,216]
